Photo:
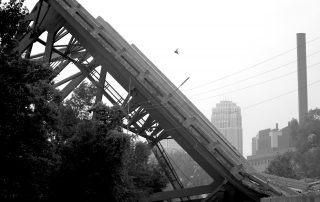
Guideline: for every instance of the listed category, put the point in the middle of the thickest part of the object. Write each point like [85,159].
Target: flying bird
[177,51]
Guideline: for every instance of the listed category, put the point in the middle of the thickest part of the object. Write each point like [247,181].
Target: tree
[147,177]
[93,165]
[82,99]
[29,115]
[308,144]
[308,162]
[49,151]
[309,131]
[284,166]
[12,24]
[304,161]
[95,154]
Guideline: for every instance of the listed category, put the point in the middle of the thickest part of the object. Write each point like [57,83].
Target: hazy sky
[253,41]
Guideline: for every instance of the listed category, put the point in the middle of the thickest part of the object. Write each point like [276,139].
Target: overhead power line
[250,67]
[243,80]
[247,107]
[276,97]
[254,76]
[246,79]
[258,103]
[256,84]
[158,106]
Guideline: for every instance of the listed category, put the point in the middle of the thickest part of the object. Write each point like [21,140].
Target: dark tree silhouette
[29,115]
[98,161]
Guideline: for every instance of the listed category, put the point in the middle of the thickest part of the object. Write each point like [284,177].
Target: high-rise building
[226,117]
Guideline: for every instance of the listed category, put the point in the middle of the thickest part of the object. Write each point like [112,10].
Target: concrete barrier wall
[304,198]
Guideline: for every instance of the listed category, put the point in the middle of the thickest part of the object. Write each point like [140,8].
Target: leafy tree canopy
[29,115]
[284,166]
[303,163]
[93,165]
[95,150]
[49,151]
[309,131]
[12,24]
[82,99]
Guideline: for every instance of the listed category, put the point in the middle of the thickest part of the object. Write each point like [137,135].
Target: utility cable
[256,104]
[281,95]
[254,76]
[252,66]
[159,106]
[256,84]
[246,79]
[234,83]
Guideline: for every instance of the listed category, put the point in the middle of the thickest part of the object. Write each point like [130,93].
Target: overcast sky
[253,41]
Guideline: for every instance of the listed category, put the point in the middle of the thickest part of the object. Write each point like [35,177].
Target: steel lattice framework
[155,108]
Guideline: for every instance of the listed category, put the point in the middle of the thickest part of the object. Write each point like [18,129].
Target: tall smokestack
[302,75]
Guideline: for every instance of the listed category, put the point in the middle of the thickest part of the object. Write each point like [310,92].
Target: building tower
[302,75]
[226,116]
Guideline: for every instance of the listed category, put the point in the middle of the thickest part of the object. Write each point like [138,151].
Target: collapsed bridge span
[156,109]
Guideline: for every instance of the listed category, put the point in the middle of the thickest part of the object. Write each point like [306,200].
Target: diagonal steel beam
[49,47]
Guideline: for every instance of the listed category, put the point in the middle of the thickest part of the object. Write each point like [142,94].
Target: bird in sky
[177,51]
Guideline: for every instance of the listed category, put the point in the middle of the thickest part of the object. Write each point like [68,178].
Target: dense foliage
[29,118]
[93,164]
[147,177]
[95,152]
[53,150]
[302,163]
[29,115]
[11,23]
[284,166]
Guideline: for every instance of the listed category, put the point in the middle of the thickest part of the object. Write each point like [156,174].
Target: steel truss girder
[181,193]
[165,163]
[168,111]
[62,55]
